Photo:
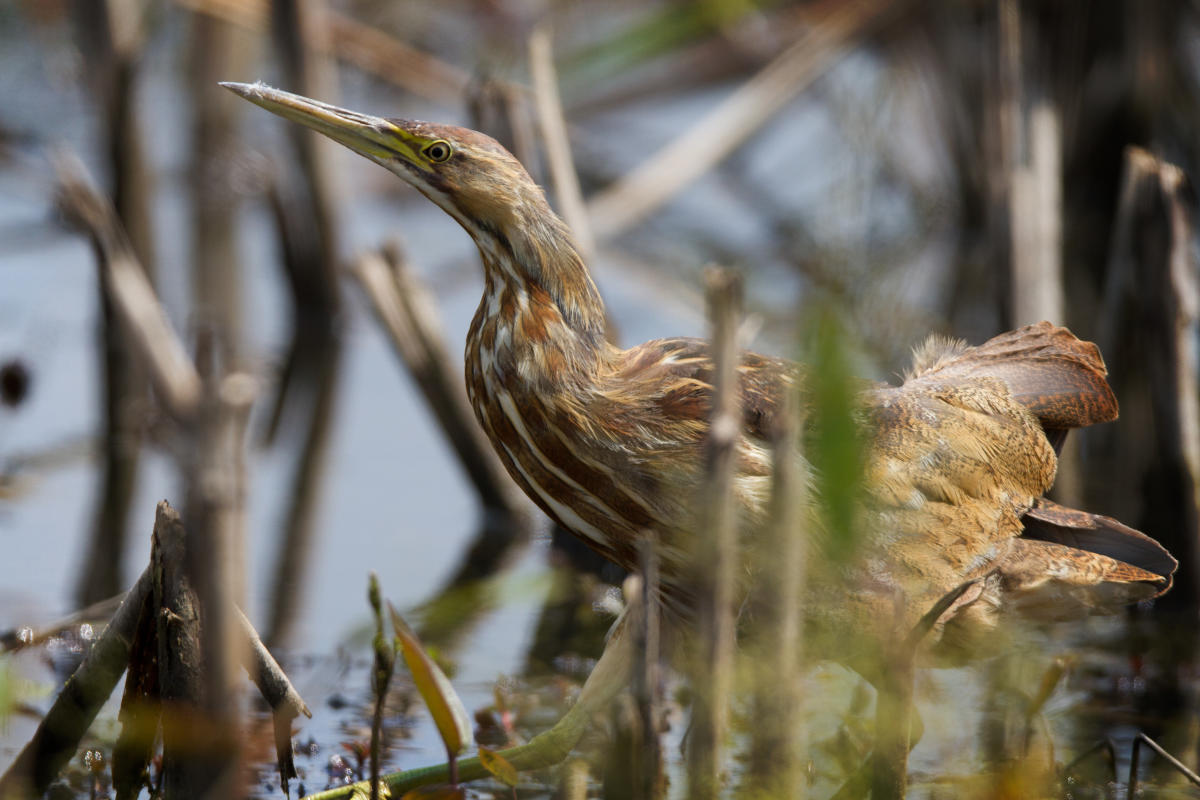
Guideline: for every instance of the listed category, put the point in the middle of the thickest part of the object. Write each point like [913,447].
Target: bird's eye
[438,151]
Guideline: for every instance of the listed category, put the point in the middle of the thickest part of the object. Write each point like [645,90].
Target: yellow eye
[438,151]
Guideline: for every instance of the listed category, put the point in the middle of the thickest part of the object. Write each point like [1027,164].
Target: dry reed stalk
[217,50]
[717,546]
[1151,314]
[647,769]
[775,766]
[558,146]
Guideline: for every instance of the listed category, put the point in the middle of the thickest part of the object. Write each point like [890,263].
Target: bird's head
[476,181]
[470,175]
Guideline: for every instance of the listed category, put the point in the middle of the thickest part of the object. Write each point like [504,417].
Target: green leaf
[836,445]
[449,714]
[499,766]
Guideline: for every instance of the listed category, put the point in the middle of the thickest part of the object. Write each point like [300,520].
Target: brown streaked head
[470,175]
[473,179]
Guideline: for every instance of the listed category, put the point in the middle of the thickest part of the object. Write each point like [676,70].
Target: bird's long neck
[541,320]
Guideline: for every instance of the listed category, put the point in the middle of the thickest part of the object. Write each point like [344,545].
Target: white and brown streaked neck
[541,315]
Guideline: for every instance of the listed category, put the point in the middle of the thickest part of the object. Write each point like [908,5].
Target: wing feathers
[1049,522]
[1058,377]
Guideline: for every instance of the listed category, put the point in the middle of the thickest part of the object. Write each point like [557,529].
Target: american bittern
[609,442]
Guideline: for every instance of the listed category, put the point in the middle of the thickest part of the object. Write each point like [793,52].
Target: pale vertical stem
[214,563]
[1033,153]
[558,145]
[1182,293]
[217,51]
[1151,316]
[647,765]
[1035,207]
[776,756]
[717,546]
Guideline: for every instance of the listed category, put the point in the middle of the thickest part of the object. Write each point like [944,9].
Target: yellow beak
[374,137]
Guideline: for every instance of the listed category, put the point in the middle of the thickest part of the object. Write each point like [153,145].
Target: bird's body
[609,442]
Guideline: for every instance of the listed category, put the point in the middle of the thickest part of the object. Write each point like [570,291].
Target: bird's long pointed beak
[374,137]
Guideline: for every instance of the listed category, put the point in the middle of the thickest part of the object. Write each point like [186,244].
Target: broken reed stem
[407,313]
[680,162]
[558,145]
[188,743]
[278,692]
[1181,405]
[381,676]
[717,547]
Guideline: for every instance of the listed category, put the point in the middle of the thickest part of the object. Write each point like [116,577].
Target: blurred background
[957,167]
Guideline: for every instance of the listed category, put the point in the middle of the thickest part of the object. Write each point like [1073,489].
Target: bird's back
[957,459]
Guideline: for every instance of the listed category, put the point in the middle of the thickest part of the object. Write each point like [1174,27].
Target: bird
[609,442]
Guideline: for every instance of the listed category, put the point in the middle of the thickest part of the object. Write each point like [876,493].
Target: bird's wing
[962,453]
[672,380]
[1058,377]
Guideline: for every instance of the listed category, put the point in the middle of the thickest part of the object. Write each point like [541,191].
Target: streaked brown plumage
[608,442]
